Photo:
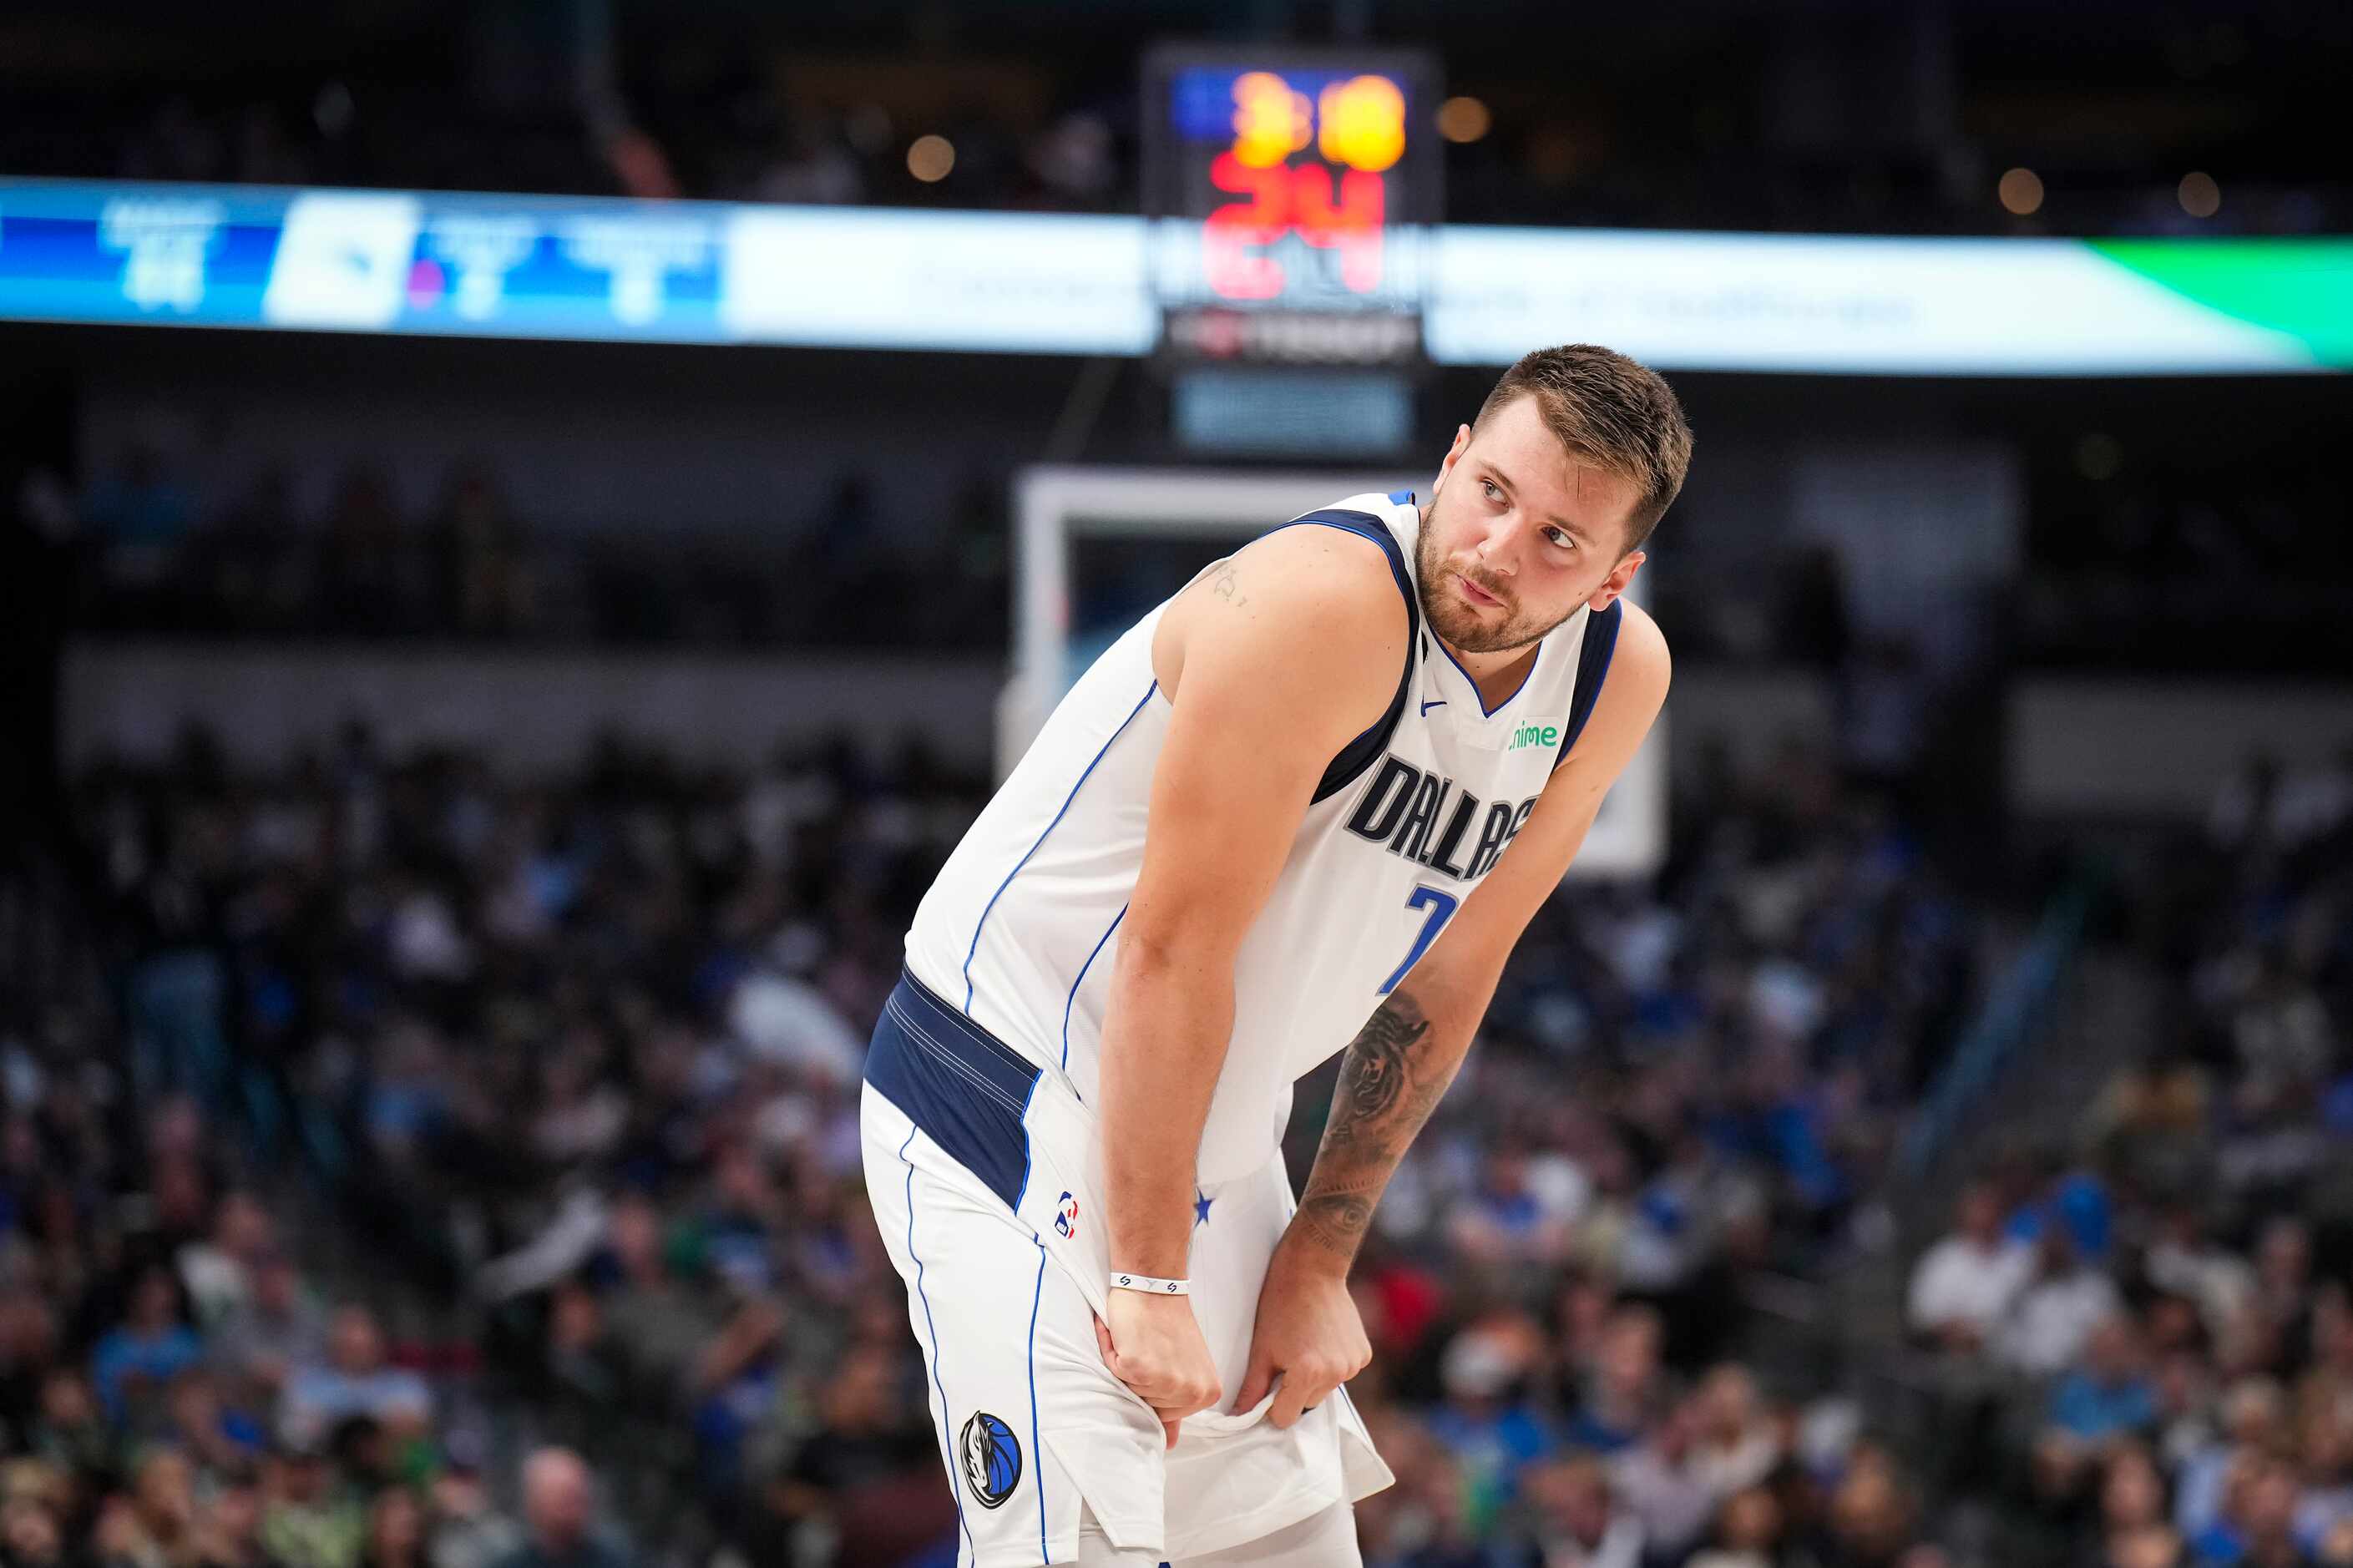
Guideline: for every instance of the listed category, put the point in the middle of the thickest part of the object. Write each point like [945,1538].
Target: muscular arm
[1390,1080]
[1272,661]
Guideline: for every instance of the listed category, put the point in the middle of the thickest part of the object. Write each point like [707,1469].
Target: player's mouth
[1477,595]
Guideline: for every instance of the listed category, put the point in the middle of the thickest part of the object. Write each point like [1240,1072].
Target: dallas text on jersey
[1403,805]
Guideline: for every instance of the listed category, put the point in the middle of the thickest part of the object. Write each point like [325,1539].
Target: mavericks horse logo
[992,1458]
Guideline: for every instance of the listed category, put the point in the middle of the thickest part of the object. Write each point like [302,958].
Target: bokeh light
[2022,191]
[929,158]
[1463,119]
[2200,196]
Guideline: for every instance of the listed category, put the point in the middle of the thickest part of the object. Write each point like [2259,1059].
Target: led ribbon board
[694,272]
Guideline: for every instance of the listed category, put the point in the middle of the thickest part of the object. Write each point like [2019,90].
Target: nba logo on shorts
[1066,1218]
[992,1458]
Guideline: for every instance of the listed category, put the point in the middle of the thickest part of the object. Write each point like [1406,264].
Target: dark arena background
[528,530]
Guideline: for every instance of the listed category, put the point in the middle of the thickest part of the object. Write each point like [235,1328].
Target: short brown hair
[1615,414]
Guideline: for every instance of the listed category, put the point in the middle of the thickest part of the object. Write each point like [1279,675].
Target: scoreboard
[1291,194]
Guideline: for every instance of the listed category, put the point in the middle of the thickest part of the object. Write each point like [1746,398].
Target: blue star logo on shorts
[1201,1207]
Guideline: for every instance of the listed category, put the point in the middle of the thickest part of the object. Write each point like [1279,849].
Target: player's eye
[1565,539]
[1492,492]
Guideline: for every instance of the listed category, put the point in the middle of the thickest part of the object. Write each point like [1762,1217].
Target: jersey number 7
[1441,907]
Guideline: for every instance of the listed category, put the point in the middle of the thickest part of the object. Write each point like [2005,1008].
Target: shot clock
[1291,194]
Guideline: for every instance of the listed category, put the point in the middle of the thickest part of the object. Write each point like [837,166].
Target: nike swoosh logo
[1427,706]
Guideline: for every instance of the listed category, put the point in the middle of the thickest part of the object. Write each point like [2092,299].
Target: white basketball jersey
[1021,927]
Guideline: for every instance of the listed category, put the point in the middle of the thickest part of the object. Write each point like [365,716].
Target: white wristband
[1150,1285]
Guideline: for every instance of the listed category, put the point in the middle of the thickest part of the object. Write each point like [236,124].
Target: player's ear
[1620,577]
[1453,455]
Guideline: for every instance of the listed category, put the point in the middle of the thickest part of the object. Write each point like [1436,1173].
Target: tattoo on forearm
[1390,1081]
[1225,583]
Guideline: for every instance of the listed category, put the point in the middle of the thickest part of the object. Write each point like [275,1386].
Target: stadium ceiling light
[929,158]
[2199,195]
[1463,119]
[2021,191]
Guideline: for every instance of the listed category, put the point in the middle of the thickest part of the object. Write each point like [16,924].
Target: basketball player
[1334,776]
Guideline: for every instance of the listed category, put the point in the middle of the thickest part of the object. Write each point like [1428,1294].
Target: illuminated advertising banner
[689,272]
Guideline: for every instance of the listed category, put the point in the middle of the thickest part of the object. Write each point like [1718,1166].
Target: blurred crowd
[457,1116]
[464,1171]
[2137,559]
[1778,124]
[2151,1364]
[145,547]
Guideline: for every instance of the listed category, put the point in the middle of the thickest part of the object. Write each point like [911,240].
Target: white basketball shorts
[983,1172]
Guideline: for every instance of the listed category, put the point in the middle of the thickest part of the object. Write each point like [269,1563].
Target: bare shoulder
[1640,658]
[1319,603]
[1315,570]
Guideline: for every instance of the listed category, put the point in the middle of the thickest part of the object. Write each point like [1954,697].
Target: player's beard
[1444,612]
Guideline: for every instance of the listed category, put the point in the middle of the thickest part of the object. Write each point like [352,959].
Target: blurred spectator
[1506,1221]
[277,1328]
[2189,1263]
[1574,1519]
[1749,1534]
[396,1531]
[1871,1517]
[1486,1422]
[71,1430]
[1962,1287]
[160,1524]
[1424,1520]
[217,1271]
[309,1518]
[220,1442]
[229,1529]
[1620,1394]
[2054,1315]
[1739,1442]
[1663,1483]
[658,1323]
[2106,1397]
[153,1344]
[467,1530]
[866,1472]
[2132,1498]
[558,1508]
[353,1382]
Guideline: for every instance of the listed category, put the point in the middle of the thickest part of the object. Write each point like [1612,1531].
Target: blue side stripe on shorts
[1089,963]
[969,1091]
[1033,849]
[1037,1451]
[1025,1143]
[947,1439]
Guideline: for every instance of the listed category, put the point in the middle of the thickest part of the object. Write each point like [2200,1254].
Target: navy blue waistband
[967,1089]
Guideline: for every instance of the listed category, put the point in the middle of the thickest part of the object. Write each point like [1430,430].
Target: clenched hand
[1153,1344]
[1307,1330]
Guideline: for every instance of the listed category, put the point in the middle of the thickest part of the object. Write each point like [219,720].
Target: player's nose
[1500,547]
